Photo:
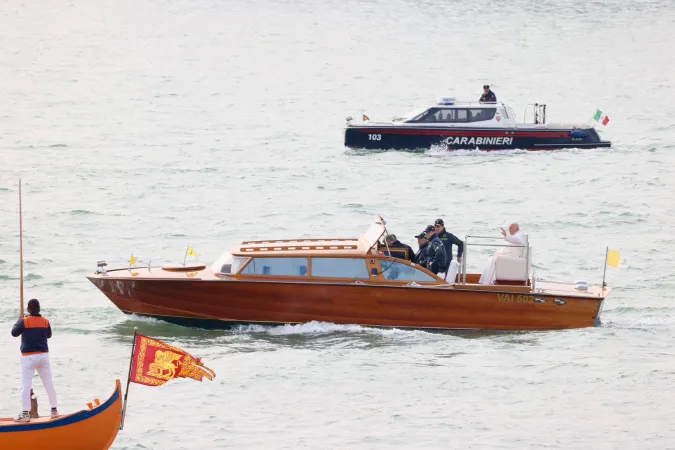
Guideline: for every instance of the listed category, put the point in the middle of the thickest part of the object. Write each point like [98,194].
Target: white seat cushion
[511,268]
[452,272]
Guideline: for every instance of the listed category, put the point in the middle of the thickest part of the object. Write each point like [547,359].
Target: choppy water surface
[142,127]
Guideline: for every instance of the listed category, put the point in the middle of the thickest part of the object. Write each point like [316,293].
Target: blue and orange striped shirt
[34,331]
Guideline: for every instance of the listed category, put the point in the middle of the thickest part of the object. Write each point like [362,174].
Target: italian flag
[601,117]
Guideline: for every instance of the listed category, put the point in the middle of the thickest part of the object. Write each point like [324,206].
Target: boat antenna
[20,251]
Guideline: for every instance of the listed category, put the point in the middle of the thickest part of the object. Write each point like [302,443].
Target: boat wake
[313,327]
[327,328]
[442,150]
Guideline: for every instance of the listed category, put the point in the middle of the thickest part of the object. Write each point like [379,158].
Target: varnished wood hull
[216,304]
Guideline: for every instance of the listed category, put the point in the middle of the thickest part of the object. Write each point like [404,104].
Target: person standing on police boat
[448,239]
[488,96]
[34,331]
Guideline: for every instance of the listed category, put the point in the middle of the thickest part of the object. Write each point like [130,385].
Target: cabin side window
[481,114]
[396,271]
[340,268]
[453,115]
[284,267]
[443,115]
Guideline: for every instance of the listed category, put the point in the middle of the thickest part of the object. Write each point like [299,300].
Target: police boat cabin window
[481,114]
[340,268]
[283,267]
[454,115]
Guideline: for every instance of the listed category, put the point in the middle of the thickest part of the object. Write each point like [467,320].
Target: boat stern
[588,137]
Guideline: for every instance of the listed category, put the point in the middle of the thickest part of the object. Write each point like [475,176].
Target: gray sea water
[147,126]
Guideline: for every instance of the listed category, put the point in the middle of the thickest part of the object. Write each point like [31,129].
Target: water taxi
[454,125]
[348,281]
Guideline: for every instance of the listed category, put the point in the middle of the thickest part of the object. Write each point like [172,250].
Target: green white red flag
[601,117]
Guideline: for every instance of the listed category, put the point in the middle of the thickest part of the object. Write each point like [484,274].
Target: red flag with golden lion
[154,363]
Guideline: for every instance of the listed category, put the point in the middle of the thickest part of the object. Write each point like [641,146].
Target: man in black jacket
[435,252]
[421,255]
[488,96]
[392,242]
[34,331]
[448,240]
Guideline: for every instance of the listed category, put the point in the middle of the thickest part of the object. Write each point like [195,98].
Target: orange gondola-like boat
[92,429]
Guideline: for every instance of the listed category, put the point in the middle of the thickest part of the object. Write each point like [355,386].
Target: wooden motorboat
[346,281]
[92,429]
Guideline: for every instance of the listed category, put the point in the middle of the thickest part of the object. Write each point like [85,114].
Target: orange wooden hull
[216,304]
[94,429]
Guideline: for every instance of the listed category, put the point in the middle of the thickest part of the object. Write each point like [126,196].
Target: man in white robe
[513,237]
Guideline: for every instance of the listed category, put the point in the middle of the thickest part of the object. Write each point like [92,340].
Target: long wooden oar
[21,249]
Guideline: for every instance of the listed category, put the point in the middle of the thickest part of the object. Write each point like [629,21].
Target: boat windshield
[393,270]
[411,115]
[373,235]
[416,115]
[228,264]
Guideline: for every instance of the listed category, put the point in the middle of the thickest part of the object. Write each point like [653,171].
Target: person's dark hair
[33,306]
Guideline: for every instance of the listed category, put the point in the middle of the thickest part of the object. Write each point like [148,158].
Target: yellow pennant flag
[613,258]
[133,260]
[191,251]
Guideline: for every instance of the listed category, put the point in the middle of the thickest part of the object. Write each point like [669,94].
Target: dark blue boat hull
[411,138]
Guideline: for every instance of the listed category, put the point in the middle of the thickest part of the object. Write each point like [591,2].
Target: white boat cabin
[449,112]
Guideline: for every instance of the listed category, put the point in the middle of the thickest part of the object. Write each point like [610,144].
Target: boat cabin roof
[450,102]
[312,247]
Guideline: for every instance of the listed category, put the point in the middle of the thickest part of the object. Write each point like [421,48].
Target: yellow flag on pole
[613,258]
[132,261]
[191,251]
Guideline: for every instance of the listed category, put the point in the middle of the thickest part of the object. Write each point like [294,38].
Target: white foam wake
[318,328]
[313,327]
[442,150]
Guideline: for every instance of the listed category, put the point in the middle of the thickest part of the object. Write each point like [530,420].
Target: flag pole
[126,393]
[187,249]
[604,272]
[20,252]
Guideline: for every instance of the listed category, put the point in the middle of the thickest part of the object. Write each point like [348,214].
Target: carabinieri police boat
[461,125]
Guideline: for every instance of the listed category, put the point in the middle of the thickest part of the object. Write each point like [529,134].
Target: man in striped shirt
[34,331]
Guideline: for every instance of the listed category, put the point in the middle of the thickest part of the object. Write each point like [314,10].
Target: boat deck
[567,289]
[553,126]
[6,422]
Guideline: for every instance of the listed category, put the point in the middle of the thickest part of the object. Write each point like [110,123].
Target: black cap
[422,235]
[33,306]
[439,222]
[486,86]
[429,229]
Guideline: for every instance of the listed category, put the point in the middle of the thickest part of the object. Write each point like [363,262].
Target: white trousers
[29,364]
[489,275]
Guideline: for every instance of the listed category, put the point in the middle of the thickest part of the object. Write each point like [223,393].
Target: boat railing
[480,243]
[539,113]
